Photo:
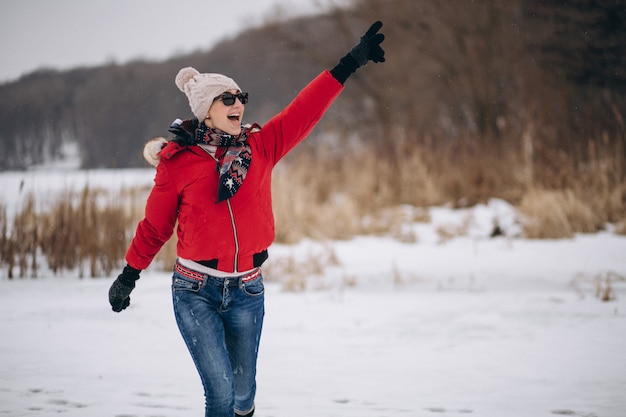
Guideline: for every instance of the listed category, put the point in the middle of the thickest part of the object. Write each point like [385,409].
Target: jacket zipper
[232,220]
[230,212]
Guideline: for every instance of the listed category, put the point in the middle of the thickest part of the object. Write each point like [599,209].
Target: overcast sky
[63,34]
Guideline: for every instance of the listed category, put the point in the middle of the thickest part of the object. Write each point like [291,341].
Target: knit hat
[201,89]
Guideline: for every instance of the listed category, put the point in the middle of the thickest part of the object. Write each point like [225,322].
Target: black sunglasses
[229,98]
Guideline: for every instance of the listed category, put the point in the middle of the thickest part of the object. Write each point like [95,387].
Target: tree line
[518,99]
[539,77]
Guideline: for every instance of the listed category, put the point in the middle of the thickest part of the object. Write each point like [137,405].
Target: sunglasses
[229,98]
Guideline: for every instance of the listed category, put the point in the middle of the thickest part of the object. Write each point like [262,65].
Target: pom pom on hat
[183,77]
[201,89]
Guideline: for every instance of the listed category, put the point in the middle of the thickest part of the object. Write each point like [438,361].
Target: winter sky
[63,34]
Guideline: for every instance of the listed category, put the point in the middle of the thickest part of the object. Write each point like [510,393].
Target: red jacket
[185,189]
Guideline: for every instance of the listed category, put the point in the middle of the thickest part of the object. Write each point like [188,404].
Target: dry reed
[83,232]
[325,196]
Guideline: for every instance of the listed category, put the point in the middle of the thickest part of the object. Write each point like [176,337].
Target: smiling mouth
[234,117]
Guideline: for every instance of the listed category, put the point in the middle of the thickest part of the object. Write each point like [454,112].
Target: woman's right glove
[368,49]
[119,293]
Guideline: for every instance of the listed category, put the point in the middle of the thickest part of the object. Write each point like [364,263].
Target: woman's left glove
[119,293]
[368,49]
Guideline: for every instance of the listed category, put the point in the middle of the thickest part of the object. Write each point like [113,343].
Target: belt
[198,276]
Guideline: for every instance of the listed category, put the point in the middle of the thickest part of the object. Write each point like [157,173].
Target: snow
[469,325]
[47,183]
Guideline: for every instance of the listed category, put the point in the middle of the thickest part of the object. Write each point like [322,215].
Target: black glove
[183,131]
[119,293]
[368,49]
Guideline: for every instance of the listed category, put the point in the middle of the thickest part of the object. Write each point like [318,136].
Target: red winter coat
[185,189]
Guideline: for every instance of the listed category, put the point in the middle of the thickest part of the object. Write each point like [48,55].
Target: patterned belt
[251,276]
[189,273]
[198,276]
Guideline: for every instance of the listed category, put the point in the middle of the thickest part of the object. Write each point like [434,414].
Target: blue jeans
[220,320]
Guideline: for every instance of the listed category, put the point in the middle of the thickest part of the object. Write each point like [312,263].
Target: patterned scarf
[233,156]
[233,152]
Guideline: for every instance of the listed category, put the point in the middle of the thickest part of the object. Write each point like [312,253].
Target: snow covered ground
[469,326]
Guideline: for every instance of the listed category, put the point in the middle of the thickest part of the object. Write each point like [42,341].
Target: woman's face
[226,118]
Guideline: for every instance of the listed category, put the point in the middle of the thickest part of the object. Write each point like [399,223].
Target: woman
[214,178]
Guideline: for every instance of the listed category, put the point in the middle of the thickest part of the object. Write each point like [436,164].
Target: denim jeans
[220,320]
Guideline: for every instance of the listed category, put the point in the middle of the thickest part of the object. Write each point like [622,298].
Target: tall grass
[327,196]
[85,231]
[322,197]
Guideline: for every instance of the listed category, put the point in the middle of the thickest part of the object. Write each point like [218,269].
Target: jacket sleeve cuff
[346,67]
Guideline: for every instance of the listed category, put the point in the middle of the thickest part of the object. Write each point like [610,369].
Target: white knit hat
[201,89]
